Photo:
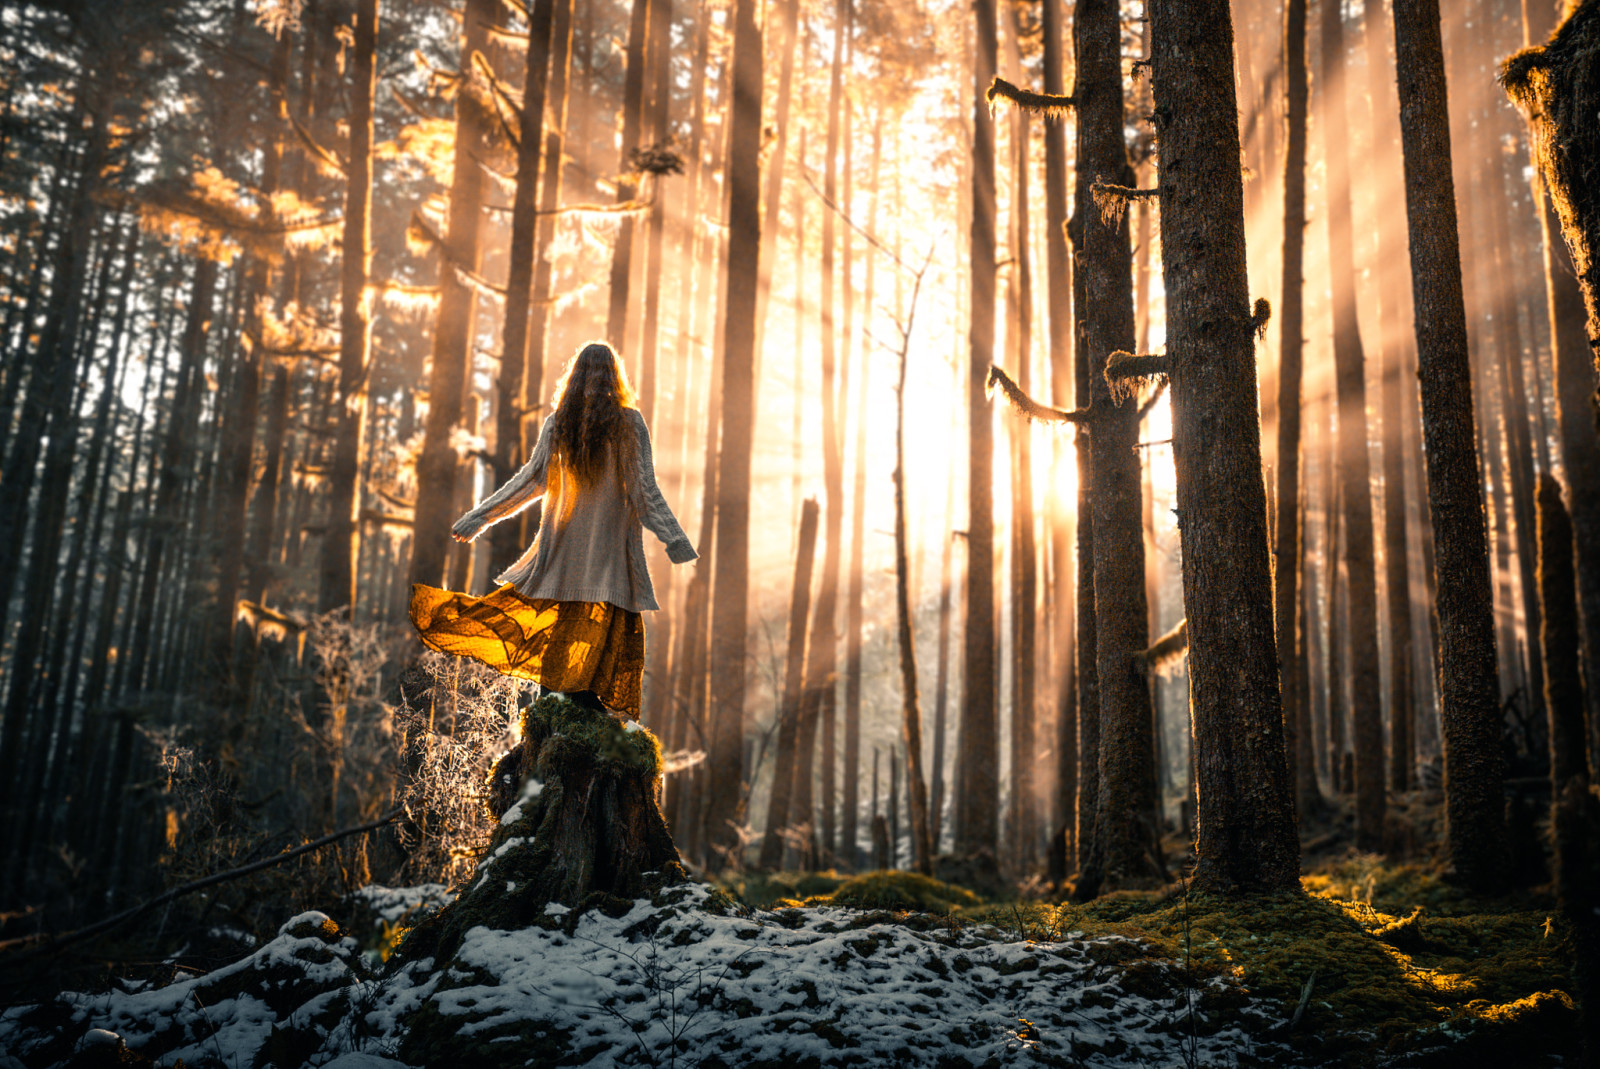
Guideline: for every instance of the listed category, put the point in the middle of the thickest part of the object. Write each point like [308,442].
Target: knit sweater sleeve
[654,512]
[520,491]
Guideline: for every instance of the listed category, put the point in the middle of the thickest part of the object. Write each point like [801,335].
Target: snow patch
[532,787]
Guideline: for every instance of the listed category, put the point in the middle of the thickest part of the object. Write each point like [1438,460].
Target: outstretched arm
[654,511]
[519,491]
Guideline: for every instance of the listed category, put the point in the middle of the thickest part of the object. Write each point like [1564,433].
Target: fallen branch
[52,941]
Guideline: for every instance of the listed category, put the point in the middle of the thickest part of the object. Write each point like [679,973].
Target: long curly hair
[588,421]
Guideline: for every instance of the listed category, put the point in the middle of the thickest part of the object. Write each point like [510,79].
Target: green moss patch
[892,890]
[1396,960]
[594,734]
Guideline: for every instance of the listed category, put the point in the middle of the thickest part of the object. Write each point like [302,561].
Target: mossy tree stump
[579,827]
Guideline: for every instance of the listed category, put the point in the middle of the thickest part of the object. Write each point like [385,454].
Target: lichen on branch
[1026,406]
[1112,200]
[1127,374]
[1049,105]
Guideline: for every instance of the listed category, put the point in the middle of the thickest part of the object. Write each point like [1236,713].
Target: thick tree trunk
[337,580]
[1580,444]
[978,786]
[1552,84]
[1129,840]
[793,680]
[1246,839]
[1574,815]
[730,611]
[578,826]
[452,327]
[1469,697]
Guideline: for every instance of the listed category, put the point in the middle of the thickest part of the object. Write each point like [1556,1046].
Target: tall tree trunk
[1246,839]
[911,708]
[1573,376]
[978,786]
[787,46]
[633,93]
[1469,687]
[452,327]
[1354,470]
[556,94]
[1059,317]
[50,386]
[1291,326]
[516,371]
[783,763]
[858,532]
[1402,700]
[941,679]
[730,611]
[660,74]
[822,652]
[339,543]
[1024,576]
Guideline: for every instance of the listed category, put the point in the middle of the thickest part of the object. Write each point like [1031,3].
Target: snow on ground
[677,985]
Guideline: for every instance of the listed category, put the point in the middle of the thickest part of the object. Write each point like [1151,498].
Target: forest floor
[1377,964]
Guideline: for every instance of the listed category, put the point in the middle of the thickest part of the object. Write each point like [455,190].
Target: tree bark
[911,708]
[1402,690]
[977,789]
[1354,470]
[1246,839]
[793,681]
[1290,552]
[517,372]
[1129,841]
[730,611]
[633,91]
[1024,577]
[337,586]
[452,327]
[1468,677]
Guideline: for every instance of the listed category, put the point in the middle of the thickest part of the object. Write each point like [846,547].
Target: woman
[567,612]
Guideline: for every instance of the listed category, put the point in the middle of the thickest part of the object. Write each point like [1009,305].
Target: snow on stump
[579,828]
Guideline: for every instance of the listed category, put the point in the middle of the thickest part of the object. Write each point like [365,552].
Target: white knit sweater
[590,545]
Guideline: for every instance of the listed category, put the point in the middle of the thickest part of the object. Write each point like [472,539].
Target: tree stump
[579,827]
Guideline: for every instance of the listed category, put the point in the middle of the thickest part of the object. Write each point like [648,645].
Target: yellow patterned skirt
[562,645]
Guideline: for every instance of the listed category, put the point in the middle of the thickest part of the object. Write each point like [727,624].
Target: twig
[871,239]
[51,942]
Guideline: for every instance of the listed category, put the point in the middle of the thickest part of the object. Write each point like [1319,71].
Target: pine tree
[1469,687]
[1246,838]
